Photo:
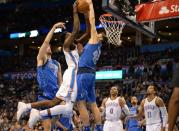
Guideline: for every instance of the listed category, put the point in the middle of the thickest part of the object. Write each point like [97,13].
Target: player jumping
[68,89]
[86,75]
[48,74]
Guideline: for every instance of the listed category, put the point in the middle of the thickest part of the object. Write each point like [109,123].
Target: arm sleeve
[164,115]
[126,110]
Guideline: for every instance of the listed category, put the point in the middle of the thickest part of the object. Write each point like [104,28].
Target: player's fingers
[63,25]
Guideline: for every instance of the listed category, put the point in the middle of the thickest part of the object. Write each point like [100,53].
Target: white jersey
[112,110]
[152,112]
[72,58]
[68,89]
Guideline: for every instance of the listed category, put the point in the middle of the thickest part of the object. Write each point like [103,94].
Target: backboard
[122,10]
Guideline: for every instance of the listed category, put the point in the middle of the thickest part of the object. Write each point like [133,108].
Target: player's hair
[63,36]
[155,88]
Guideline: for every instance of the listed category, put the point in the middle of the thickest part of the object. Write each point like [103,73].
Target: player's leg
[46,103]
[97,116]
[46,124]
[173,112]
[23,107]
[84,114]
[81,100]
[91,99]
[36,115]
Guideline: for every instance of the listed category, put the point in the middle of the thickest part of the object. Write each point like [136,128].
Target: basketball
[83,6]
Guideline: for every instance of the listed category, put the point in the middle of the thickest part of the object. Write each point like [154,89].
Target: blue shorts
[69,129]
[43,98]
[86,87]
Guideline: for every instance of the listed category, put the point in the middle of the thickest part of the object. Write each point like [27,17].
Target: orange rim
[110,21]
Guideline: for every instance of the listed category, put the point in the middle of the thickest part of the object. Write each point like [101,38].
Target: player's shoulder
[143,101]
[158,100]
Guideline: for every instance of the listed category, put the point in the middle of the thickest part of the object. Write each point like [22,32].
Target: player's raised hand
[60,24]
[75,7]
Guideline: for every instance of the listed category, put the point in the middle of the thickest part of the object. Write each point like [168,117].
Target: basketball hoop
[113,28]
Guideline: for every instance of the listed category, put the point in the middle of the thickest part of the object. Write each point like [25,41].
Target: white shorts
[113,126]
[154,127]
[68,88]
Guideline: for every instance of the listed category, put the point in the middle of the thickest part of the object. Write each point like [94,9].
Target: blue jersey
[90,56]
[66,121]
[132,124]
[47,76]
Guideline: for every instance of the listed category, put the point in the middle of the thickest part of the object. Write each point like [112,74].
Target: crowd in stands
[140,70]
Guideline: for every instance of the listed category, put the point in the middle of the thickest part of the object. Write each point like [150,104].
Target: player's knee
[68,108]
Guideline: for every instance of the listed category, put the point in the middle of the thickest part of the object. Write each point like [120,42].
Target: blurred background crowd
[140,70]
[153,62]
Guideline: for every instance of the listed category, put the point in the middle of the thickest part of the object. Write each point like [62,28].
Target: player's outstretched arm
[85,37]
[46,43]
[94,34]
[76,28]
[163,110]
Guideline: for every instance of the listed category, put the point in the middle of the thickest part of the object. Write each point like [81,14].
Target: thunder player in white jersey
[113,107]
[154,109]
[68,88]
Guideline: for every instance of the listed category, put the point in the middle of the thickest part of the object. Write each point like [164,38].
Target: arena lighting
[34,33]
[14,35]
[20,35]
[109,75]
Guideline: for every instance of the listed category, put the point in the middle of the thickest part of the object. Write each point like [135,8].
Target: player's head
[134,100]
[114,91]
[64,36]
[151,90]
[101,37]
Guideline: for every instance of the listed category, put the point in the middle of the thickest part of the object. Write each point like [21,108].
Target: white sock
[43,113]
[29,106]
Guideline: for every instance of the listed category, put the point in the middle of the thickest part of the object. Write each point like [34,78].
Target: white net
[113,28]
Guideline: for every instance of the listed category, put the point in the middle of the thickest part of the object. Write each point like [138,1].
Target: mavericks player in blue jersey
[48,74]
[68,88]
[86,75]
[133,124]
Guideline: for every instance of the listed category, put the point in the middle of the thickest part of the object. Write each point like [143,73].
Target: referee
[174,100]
